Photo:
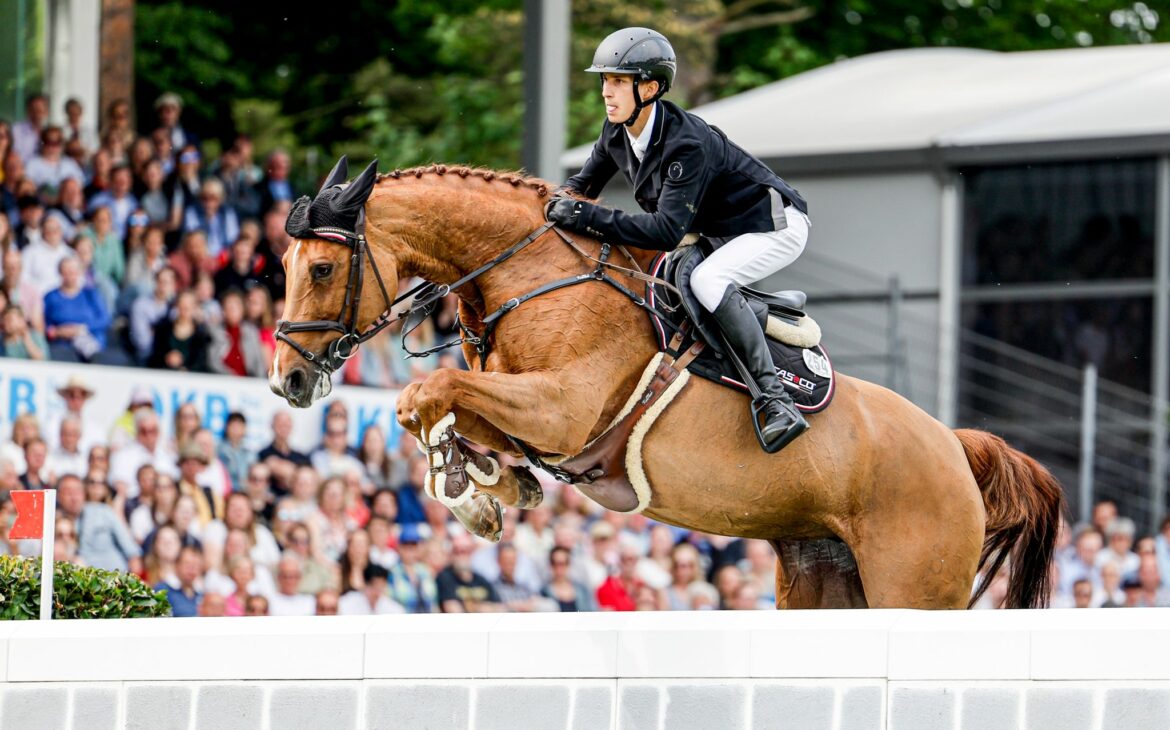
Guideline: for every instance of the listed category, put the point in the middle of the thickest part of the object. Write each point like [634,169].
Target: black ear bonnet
[338,204]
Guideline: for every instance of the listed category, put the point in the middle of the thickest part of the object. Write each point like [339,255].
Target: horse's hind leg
[925,559]
[817,574]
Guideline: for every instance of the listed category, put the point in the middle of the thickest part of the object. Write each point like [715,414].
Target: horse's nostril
[296,382]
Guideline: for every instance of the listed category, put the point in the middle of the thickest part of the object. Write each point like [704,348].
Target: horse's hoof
[531,495]
[482,516]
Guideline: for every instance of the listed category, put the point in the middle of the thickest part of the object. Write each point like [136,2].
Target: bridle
[345,347]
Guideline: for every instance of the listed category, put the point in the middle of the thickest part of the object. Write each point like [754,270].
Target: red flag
[30,515]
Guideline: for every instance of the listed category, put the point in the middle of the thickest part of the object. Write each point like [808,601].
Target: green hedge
[77,592]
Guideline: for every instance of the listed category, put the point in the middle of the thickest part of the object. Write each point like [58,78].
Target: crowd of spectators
[1104,563]
[348,528]
[344,528]
[129,247]
[1107,563]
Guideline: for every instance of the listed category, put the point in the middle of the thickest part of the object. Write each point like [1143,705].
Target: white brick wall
[901,670]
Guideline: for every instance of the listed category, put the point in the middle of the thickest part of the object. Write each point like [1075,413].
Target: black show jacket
[691,179]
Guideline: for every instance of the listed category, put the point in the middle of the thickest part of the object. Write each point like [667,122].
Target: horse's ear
[354,196]
[337,175]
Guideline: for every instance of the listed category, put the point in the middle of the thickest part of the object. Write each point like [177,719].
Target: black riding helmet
[644,53]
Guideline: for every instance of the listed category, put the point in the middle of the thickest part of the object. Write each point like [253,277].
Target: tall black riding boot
[782,421]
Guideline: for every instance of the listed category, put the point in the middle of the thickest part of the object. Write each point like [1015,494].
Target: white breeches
[748,258]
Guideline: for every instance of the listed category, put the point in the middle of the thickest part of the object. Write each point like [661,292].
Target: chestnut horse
[878,504]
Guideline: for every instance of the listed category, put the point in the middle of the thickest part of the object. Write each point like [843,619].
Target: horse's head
[335,289]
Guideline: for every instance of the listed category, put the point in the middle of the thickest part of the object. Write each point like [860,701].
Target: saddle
[794,338]
[609,470]
[678,269]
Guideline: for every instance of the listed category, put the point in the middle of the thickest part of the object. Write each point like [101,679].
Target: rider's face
[617,90]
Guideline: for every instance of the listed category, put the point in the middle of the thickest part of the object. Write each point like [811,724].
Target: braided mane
[515,179]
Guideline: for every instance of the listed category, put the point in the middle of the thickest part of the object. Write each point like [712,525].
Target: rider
[687,176]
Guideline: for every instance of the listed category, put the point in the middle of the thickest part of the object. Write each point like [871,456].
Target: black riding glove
[563,211]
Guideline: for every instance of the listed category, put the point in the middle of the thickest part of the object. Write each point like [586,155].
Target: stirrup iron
[759,403]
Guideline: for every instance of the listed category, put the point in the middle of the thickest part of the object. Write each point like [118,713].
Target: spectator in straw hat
[169,108]
[76,392]
[192,461]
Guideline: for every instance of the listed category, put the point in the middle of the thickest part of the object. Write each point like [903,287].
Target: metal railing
[869,337]
[1093,434]
[1096,436]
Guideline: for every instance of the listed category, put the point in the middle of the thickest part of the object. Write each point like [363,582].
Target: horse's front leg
[514,486]
[550,412]
[471,425]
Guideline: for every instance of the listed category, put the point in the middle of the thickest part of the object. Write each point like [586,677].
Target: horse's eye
[321,271]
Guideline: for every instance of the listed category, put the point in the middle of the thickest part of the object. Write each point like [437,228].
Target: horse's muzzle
[299,387]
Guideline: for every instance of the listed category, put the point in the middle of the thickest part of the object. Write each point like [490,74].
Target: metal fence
[866,315]
[1097,437]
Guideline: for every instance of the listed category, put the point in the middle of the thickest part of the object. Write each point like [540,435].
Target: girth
[600,470]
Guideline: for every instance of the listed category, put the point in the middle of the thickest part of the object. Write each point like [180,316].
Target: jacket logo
[675,171]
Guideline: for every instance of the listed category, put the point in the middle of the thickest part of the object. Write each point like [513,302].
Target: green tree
[417,81]
[849,28]
[185,49]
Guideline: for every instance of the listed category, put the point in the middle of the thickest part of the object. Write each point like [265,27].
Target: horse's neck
[441,229]
[444,230]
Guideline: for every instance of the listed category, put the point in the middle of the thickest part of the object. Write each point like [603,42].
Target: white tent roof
[944,97]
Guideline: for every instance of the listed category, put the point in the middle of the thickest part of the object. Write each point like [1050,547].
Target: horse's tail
[1024,504]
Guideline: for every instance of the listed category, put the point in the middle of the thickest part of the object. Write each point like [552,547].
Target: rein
[482,342]
[429,294]
[335,356]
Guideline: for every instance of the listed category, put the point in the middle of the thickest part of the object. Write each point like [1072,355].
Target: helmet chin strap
[639,105]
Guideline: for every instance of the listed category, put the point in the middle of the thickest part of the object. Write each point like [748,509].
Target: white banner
[27,386]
